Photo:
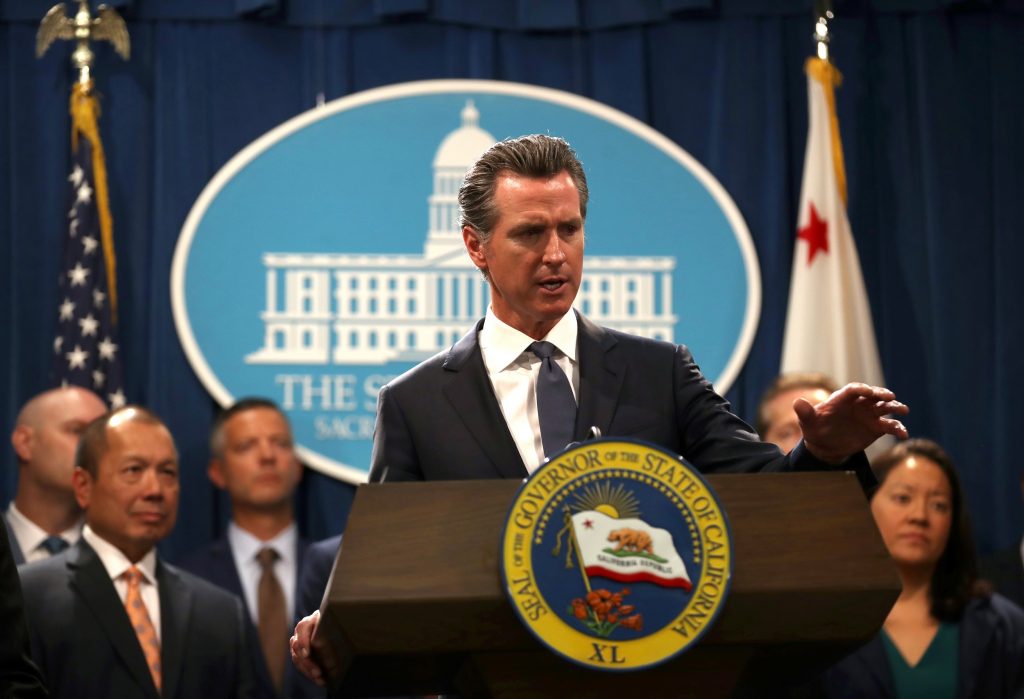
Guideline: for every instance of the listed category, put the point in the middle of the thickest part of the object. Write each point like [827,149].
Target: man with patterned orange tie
[108,618]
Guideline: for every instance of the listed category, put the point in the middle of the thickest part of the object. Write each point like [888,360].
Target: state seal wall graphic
[616,555]
[326,258]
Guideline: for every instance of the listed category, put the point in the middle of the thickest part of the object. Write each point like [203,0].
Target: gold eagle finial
[107,26]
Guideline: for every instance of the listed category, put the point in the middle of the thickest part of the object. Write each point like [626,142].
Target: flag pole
[85,351]
[579,555]
[572,545]
[84,107]
[823,15]
[828,319]
[824,71]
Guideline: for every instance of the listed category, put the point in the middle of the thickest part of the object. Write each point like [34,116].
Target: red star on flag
[588,523]
[815,233]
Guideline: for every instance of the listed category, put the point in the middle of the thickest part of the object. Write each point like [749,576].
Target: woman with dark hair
[947,635]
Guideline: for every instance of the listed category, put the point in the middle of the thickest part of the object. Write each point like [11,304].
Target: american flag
[85,349]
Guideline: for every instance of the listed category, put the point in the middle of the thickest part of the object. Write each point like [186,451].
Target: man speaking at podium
[534,375]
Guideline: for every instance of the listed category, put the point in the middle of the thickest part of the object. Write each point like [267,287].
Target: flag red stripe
[599,572]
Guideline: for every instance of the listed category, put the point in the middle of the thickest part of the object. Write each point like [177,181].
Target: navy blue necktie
[54,544]
[556,406]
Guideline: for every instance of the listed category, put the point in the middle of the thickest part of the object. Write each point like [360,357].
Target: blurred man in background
[44,517]
[253,460]
[777,421]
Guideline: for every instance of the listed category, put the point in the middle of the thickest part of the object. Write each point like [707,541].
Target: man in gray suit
[44,518]
[108,618]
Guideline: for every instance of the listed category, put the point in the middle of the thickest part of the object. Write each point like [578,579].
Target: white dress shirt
[513,370]
[117,563]
[245,546]
[30,536]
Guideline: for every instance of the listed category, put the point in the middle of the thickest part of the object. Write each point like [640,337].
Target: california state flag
[828,324]
[628,550]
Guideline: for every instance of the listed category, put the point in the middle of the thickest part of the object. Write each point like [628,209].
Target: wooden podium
[415,604]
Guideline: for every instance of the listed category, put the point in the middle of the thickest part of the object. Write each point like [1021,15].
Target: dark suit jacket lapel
[90,580]
[175,616]
[876,668]
[301,547]
[977,626]
[16,552]
[469,390]
[221,569]
[601,378]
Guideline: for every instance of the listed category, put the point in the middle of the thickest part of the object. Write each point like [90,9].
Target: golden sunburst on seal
[614,501]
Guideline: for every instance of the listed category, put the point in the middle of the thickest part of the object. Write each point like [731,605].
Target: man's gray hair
[536,155]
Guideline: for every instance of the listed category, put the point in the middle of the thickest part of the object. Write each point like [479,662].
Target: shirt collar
[32,534]
[246,546]
[115,561]
[501,344]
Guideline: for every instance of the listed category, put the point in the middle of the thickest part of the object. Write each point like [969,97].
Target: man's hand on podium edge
[849,420]
[301,644]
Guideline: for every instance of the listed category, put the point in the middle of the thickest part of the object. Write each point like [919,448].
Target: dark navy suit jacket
[19,676]
[991,658]
[315,574]
[85,646]
[313,577]
[216,564]
[629,387]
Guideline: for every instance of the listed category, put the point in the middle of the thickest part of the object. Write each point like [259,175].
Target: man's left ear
[81,483]
[215,472]
[21,439]
[474,247]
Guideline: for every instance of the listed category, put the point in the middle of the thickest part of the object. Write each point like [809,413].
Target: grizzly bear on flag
[631,540]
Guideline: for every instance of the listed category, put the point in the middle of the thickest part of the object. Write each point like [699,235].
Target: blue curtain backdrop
[931,111]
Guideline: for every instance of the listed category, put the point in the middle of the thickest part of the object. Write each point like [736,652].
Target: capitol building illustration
[324,308]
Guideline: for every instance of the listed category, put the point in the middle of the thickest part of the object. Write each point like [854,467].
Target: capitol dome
[463,146]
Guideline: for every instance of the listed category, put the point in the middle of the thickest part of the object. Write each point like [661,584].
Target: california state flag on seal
[628,550]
